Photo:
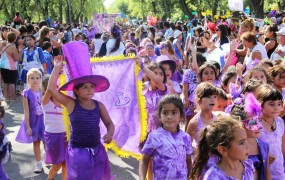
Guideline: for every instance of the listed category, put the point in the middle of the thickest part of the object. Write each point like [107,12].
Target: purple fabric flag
[122,103]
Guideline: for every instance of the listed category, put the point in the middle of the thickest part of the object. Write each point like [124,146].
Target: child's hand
[107,138]
[233,45]
[271,158]
[138,61]
[29,131]
[239,68]
[58,61]
[193,50]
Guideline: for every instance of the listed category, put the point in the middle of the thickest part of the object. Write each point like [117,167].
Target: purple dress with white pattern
[169,151]
[215,173]
[152,98]
[274,139]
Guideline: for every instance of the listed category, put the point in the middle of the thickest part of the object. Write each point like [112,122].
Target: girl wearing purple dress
[154,90]
[225,138]
[32,127]
[86,157]
[206,97]
[55,134]
[273,128]
[168,147]
[5,147]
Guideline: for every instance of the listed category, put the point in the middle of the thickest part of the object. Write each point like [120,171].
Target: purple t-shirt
[152,98]
[190,77]
[169,153]
[274,140]
[215,173]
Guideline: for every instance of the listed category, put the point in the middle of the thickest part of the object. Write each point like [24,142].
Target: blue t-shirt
[48,59]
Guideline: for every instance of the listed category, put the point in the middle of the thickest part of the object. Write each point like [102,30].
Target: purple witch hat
[78,64]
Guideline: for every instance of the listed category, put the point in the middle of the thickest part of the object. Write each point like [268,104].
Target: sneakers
[39,168]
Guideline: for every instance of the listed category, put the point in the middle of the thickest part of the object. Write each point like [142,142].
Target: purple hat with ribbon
[79,67]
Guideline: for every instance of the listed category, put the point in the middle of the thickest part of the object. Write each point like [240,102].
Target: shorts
[9,76]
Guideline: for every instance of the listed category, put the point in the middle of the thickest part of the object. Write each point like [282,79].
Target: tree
[258,7]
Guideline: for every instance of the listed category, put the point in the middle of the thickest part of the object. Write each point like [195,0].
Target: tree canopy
[62,10]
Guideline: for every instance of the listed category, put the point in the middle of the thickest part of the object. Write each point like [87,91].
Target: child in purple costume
[225,138]
[55,133]
[273,128]
[86,157]
[168,147]
[154,90]
[5,147]
[32,127]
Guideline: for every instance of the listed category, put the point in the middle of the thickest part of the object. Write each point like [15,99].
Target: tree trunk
[60,10]
[258,7]
[215,8]
[184,7]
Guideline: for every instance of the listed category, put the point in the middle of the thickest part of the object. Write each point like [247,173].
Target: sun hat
[177,33]
[164,59]
[79,68]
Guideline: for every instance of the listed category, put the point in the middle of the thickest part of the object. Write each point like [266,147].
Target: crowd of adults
[254,41]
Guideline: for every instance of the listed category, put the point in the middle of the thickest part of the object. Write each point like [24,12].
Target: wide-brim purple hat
[164,59]
[79,68]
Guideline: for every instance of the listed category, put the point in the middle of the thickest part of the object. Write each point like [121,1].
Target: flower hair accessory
[251,105]
[234,92]
[253,108]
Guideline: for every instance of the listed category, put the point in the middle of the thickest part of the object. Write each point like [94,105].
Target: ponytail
[202,156]
[117,44]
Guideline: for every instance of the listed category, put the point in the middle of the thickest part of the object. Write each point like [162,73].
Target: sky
[107,3]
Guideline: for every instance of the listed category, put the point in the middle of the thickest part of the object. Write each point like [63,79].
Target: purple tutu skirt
[38,128]
[56,145]
[88,163]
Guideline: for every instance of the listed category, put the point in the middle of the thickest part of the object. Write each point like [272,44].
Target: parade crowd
[222,79]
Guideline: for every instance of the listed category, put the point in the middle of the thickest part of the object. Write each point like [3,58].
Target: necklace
[272,126]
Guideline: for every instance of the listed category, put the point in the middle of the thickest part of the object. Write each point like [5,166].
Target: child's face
[220,105]
[259,75]
[86,91]
[158,72]
[150,50]
[208,75]
[279,80]
[167,70]
[30,41]
[34,80]
[170,117]
[239,147]
[208,103]
[272,109]
[227,87]
[163,51]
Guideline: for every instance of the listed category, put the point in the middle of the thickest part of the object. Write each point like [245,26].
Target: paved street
[22,162]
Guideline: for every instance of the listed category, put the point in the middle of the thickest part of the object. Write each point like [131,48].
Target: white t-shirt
[274,56]
[109,46]
[257,48]
[53,118]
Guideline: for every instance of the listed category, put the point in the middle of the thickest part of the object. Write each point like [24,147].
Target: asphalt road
[22,162]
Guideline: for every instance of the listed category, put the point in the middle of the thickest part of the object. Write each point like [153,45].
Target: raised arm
[67,101]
